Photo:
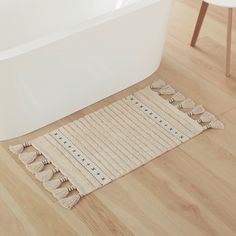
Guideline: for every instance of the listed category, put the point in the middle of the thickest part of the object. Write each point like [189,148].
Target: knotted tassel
[197,110]
[29,157]
[71,201]
[167,90]
[206,117]
[178,97]
[216,124]
[19,148]
[158,84]
[37,166]
[54,184]
[63,192]
[186,104]
[46,175]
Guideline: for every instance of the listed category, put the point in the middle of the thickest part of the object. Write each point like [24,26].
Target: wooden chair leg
[200,20]
[229,41]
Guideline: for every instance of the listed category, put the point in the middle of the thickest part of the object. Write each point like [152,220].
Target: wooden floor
[189,191]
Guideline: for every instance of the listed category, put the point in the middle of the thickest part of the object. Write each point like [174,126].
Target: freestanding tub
[59,56]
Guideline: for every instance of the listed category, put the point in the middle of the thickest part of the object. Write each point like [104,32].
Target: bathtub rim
[87,24]
[51,123]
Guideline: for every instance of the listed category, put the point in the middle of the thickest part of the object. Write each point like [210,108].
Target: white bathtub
[59,56]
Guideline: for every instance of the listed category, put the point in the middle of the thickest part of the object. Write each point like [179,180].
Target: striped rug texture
[90,152]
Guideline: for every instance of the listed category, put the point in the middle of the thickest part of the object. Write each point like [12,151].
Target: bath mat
[82,156]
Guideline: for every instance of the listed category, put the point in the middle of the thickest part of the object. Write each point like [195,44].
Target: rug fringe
[46,175]
[198,110]
[206,117]
[216,124]
[166,90]
[53,184]
[158,84]
[29,159]
[178,97]
[61,193]
[37,166]
[186,104]
[70,202]
[19,148]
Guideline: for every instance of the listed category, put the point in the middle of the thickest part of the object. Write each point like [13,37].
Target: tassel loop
[216,124]
[29,157]
[196,111]
[178,97]
[63,192]
[37,166]
[206,117]
[71,201]
[186,104]
[19,148]
[167,90]
[54,184]
[158,84]
[46,175]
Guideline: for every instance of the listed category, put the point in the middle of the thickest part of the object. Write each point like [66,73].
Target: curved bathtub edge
[52,38]
[32,130]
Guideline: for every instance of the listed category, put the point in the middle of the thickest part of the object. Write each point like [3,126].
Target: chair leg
[200,20]
[229,41]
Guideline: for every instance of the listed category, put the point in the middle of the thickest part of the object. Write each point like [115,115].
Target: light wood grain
[229,42]
[189,191]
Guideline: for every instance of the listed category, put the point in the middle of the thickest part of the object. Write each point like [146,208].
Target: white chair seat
[223,3]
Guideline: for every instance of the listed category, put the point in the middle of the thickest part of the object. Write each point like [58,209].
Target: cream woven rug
[92,151]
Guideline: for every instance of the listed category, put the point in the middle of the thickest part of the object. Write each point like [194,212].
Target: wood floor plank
[206,193]
[188,191]
[216,158]
[10,222]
